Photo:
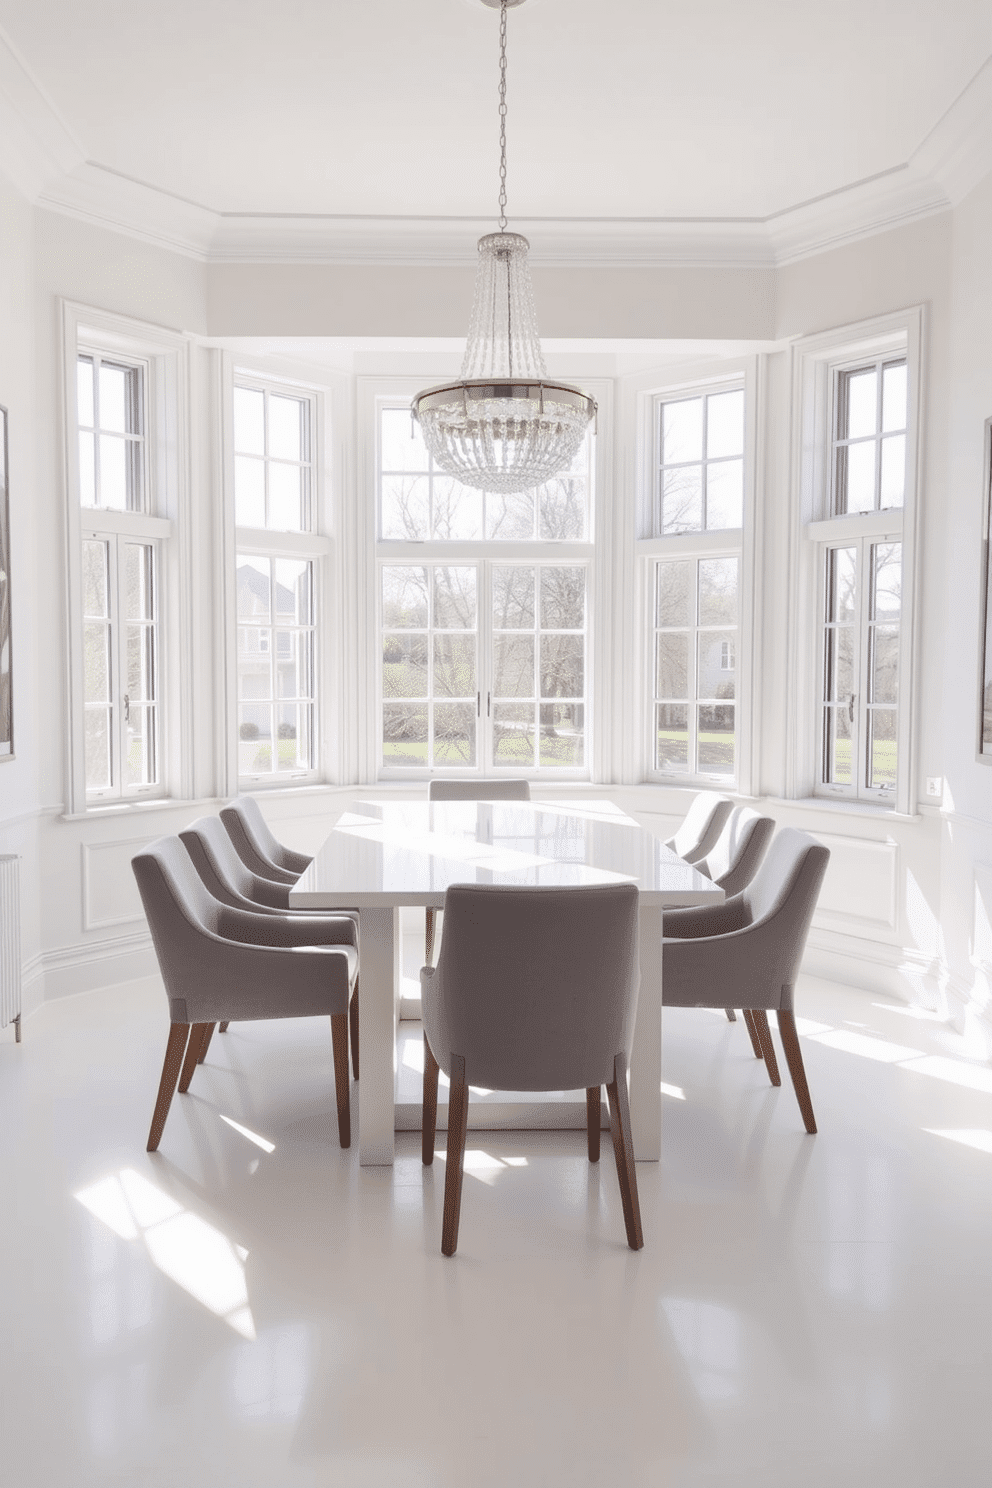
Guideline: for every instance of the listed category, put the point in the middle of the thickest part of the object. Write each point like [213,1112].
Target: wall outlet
[935,786]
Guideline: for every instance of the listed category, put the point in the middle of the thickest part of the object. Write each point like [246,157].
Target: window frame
[312,544]
[816,361]
[378,393]
[650,392]
[165,520]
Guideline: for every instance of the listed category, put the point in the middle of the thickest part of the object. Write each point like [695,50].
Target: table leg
[379,956]
[645,1057]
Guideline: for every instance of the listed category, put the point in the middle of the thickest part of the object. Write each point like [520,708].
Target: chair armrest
[289,930]
[705,920]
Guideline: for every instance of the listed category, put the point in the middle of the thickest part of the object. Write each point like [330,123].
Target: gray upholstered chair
[468,790]
[747,951]
[228,879]
[701,826]
[256,845]
[535,989]
[219,962]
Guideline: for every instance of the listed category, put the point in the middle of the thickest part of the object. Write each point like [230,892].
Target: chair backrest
[783,895]
[179,910]
[736,855]
[257,845]
[701,827]
[535,988]
[223,872]
[478,790]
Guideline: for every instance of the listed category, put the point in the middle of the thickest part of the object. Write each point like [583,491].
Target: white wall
[899,909]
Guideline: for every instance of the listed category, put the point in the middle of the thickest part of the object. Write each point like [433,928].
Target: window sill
[137,808]
[843,808]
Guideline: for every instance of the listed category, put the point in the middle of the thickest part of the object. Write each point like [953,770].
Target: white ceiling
[633,113]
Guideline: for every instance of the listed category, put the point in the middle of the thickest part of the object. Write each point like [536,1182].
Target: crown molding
[46,162]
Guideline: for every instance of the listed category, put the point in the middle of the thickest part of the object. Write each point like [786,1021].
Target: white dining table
[383,855]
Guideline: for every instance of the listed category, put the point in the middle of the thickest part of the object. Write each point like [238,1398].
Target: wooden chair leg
[196,1037]
[752,1033]
[623,1151]
[794,1059]
[731,1015]
[428,1124]
[593,1111]
[339,1038]
[174,1050]
[353,1025]
[430,916]
[457,1127]
[223,1027]
[205,1045]
[760,1018]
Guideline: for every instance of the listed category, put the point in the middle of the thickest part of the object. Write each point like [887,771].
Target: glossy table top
[409,852]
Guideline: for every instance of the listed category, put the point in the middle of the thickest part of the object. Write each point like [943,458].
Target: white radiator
[10,943]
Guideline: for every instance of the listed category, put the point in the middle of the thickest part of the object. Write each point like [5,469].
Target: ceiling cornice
[41,155]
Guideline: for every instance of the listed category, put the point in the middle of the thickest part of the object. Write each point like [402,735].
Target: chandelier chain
[502,116]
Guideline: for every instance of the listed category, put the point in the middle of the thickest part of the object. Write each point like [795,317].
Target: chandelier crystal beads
[504,426]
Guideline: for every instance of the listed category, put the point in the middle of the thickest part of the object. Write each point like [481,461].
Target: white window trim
[328,400]
[166,356]
[644,394]
[375,393]
[815,359]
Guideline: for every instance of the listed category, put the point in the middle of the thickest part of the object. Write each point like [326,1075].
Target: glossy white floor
[249,1307]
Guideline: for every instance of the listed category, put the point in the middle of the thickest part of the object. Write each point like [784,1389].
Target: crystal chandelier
[504,426]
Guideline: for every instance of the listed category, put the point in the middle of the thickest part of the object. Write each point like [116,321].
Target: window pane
[291,669]
[286,427]
[454,734]
[715,677]
[84,391]
[138,591]
[294,749]
[97,748]
[285,497]
[513,597]
[682,500]
[403,445]
[884,663]
[87,470]
[139,751]
[513,734]
[113,473]
[255,738]
[725,424]
[562,506]
[563,596]
[253,585]
[837,747]
[672,665]
[454,666]
[405,508]
[715,739]
[886,561]
[718,591]
[457,511]
[95,558]
[404,734]
[114,400]
[893,470]
[682,431]
[562,743]
[882,753]
[562,666]
[724,495]
[860,484]
[249,492]
[249,421]
[514,666]
[404,666]
[404,597]
[672,737]
[862,404]
[140,664]
[842,567]
[96,661]
[894,390]
[839,664]
[454,598]
[510,518]
[676,596]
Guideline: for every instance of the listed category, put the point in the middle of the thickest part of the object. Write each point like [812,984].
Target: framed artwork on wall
[6,704]
[985,701]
